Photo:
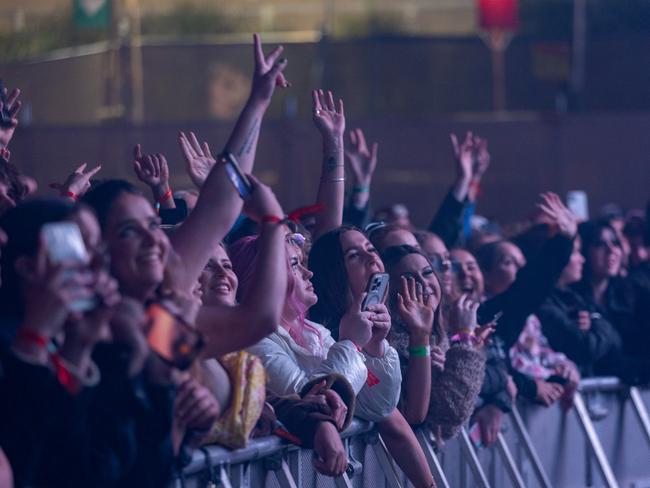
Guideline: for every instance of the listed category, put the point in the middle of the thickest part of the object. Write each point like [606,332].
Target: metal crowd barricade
[604,442]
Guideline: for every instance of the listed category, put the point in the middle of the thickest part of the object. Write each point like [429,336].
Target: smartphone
[376,290]
[577,202]
[237,178]
[170,338]
[63,243]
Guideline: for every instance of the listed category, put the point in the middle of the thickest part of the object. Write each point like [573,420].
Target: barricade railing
[598,444]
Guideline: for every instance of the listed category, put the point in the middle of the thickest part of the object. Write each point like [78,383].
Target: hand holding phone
[171,339]
[64,245]
[376,290]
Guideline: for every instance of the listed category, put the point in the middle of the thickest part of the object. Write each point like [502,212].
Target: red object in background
[498,14]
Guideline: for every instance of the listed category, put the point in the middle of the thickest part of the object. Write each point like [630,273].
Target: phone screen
[173,340]
[64,244]
[237,178]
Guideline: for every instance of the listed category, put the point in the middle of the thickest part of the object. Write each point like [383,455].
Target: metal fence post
[509,461]
[641,411]
[472,460]
[424,436]
[593,441]
[531,452]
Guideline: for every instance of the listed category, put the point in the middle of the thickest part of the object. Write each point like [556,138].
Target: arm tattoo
[250,137]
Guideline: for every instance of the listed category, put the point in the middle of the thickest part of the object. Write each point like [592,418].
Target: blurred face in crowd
[303,289]
[90,231]
[218,280]
[469,279]
[605,255]
[572,272]
[508,260]
[438,253]
[138,247]
[399,237]
[417,267]
[638,251]
[361,260]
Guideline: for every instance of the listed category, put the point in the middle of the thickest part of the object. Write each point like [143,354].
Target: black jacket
[558,315]
[534,283]
[116,434]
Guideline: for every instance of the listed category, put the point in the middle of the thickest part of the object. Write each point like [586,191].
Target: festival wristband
[168,194]
[420,351]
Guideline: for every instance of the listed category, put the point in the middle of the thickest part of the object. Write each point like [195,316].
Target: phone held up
[64,244]
[174,341]
[375,291]
[237,178]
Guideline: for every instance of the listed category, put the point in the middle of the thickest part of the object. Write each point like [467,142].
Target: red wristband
[168,194]
[72,195]
[32,337]
[64,376]
[271,219]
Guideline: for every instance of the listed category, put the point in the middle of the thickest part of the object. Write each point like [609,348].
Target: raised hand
[78,183]
[198,158]
[482,158]
[558,214]
[151,169]
[268,72]
[328,117]
[13,105]
[416,309]
[363,161]
[262,201]
[463,315]
[464,155]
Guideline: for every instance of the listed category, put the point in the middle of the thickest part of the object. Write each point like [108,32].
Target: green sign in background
[92,13]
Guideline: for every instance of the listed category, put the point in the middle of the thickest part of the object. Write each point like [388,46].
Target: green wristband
[419,351]
[361,189]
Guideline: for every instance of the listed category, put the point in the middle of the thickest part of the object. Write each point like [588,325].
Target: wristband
[168,194]
[271,219]
[464,338]
[32,337]
[420,351]
[64,376]
[361,189]
[71,194]
[336,180]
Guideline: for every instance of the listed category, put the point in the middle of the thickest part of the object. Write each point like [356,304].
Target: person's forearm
[361,192]
[243,139]
[418,383]
[331,189]
[460,188]
[162,194]
[267,293]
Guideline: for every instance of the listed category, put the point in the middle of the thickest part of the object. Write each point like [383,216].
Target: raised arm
[13,106]
[446,223]
[228,329]
[153,171]
[330,122]
[267,75]
[219,204]
[363,162]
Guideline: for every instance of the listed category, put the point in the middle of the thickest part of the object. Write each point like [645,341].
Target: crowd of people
[210,316]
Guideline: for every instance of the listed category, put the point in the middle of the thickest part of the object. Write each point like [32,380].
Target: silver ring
[317,112]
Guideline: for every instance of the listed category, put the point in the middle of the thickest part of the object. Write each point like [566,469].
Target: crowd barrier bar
[274,454]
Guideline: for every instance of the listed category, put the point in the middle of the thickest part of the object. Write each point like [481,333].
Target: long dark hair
[590,233]
[22,224]
[330,279]
[102,196]
[391,257]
